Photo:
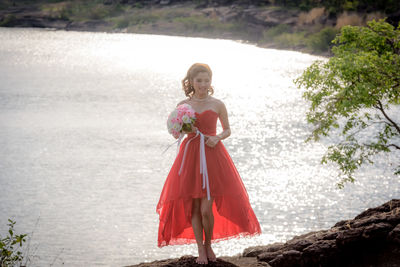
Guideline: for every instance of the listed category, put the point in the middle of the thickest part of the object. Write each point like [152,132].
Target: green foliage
[122,23]
[83,10]
[322,40]
[196,23]
[282,36]
[351,93]
[290,40]
[337,6]
[272,32]
[8,20]
[138,5]
[350,5]
[205,24]
[10,255]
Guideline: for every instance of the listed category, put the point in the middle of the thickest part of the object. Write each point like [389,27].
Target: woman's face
[201,83]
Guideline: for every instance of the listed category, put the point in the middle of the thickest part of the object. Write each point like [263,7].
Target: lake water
[83,127]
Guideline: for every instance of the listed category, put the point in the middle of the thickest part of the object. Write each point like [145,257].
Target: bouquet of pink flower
[181,119]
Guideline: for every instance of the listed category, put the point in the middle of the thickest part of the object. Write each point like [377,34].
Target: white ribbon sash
[178,142]
[203,162]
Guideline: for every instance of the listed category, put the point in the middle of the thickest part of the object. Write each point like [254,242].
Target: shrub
[11,255]
[272,32]
[290,40]
[322,40]
[350,5]
[7,21]
[122,23]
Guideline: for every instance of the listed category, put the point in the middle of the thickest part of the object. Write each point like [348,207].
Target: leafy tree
[355,94]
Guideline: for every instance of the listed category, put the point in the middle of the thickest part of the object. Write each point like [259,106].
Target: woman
[189,211]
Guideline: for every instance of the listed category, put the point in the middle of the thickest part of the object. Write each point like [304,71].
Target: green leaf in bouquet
[187,127]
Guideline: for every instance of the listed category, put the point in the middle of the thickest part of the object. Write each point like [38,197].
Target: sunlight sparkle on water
[83,128]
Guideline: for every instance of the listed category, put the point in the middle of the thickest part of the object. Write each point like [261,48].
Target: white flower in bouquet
[181,119]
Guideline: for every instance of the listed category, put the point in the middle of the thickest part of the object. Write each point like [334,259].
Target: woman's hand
[211,141]
[194,130]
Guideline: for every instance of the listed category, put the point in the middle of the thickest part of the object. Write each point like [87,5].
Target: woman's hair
[195,69]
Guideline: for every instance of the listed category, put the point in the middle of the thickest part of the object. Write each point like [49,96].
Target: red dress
[233,215]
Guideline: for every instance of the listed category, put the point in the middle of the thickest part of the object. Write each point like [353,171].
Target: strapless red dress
[233,215]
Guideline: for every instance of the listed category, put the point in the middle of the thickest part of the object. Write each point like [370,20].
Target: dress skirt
[233,214]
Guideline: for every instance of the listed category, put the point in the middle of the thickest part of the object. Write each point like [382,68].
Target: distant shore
[265,26]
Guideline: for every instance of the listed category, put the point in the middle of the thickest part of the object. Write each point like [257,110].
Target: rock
[185,261]
[321,252]
[375,232]
[349,237]
[394,235]
[386,207]
[370,239]
[268,256]
[321,247]
[340,224]
[257,250]
[277,261]
[270,17]
[331,234]
[291,258]
[253,251]
[91,25]
[228,13]
[298,245]
[274,247]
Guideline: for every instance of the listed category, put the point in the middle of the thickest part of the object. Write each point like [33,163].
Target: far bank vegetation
[307,25]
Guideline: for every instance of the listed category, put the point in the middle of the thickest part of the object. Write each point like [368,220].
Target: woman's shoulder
[218,105]
[217,101]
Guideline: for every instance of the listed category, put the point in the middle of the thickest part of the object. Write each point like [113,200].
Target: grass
[289,40]
[315,38]
[282,37]
[204,24]
[197,23]
[81,10]
[179,20]
[271,33]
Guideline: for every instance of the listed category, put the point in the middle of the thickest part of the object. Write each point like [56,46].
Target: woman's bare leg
[198,231]
[207,218]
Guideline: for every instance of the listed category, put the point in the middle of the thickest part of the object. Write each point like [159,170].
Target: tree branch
[396,146]
[380,107]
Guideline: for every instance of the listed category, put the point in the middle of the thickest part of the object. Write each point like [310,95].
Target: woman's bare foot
[210,254]
[202,259]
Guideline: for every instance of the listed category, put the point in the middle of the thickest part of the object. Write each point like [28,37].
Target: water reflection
[82,129]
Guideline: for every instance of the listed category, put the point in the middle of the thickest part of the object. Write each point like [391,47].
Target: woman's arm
[223,116]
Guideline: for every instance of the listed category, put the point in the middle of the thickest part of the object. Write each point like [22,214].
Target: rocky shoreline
[372,238]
